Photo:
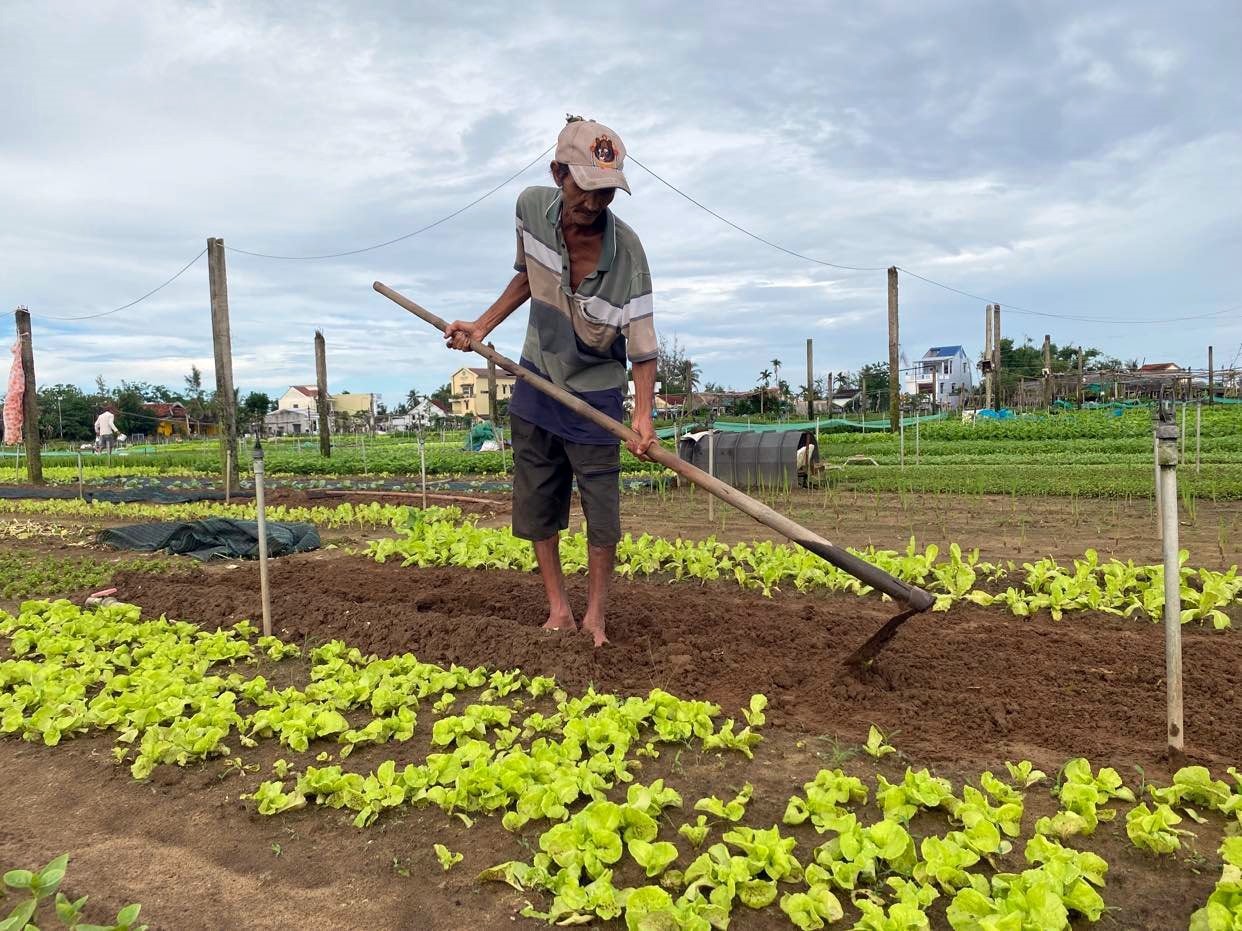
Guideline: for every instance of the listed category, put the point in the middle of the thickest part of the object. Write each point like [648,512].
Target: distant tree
[443,394]
[764,377]
[66,413]
[876,374]
[776,370]
[254,408]
[671,361]
[713,387]
[195,396]
[131,416]
[412,397]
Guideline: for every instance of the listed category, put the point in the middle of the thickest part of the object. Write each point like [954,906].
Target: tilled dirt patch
[971,685]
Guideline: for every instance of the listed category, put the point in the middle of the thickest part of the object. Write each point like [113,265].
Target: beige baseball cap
[594,154]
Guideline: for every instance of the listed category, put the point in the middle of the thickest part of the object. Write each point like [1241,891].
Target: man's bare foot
[560,620]
[596,630]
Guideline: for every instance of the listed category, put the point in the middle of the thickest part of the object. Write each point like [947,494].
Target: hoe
[915,599]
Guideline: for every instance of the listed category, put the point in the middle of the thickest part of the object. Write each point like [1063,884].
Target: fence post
[261,520]
[987,356]
[901,443]
[1166,461]
[1047,372]
[996,355]
[222,344]
[894,376]
[30,400]
[422,464]
[1198,433]
[321,396]
[711,456]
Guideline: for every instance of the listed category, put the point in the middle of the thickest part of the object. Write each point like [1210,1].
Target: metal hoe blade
[861,659]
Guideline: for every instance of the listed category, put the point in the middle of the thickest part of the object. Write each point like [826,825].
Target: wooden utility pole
[226,401]
[30,400]
[1047,372]
[828,385]
[1082,384]
[1211,378]
[321,395]
[987,356]
[810,383]
[996,354]
[894,377]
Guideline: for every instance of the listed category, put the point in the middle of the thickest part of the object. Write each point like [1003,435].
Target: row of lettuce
[440,538]
[525,750]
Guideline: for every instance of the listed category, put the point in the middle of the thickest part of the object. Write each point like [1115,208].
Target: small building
[345,407]
[945,373]
[469,391]
[298,398]
[426,413]
[1159,368]
[167,418]
[846,399]
[289,422]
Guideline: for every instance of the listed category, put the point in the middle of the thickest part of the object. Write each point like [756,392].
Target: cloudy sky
[1079,160]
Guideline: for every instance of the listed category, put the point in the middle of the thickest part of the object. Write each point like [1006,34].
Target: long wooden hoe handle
[913,597]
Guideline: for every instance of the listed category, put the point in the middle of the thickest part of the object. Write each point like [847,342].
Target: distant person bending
[105,430]
[586,277]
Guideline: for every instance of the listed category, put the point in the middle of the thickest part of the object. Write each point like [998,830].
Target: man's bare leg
[548,554]
[600,560]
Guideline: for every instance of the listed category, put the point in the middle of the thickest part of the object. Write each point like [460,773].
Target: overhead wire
[755,236]
[422,229]
[185,268]
[1082,318]
[1010,308]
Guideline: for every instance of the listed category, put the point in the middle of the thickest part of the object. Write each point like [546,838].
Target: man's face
[583,208]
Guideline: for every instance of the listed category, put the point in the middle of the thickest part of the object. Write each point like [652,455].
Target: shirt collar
[608,251]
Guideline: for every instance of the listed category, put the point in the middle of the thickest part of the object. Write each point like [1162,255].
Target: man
[586,276]
[105,429]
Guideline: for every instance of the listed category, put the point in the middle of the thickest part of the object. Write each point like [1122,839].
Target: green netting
[814,426]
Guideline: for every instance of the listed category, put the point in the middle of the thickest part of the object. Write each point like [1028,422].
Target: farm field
[409,649]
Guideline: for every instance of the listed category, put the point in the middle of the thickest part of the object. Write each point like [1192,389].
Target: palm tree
[776,368]
[765,376]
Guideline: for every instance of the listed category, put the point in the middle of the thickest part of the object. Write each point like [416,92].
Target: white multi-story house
[945,372]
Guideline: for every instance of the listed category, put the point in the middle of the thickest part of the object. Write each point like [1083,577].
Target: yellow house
[469,387]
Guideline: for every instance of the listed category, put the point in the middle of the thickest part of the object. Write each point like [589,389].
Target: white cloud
[1065,162]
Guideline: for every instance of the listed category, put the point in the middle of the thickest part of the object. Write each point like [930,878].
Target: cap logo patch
[604,152]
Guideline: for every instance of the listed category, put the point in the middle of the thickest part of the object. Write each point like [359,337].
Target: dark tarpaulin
[213,537]
[143,495]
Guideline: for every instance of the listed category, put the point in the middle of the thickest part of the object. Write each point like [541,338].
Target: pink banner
[13,400]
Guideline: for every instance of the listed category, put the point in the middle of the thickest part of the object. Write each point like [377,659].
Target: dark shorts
[544,465]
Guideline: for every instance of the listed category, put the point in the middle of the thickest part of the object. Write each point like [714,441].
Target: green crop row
[1111,587]
[341,515]
[1214,482]
[23,575]
[172,694]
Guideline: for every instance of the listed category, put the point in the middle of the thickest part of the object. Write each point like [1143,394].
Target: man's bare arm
[644,399]
[515,294]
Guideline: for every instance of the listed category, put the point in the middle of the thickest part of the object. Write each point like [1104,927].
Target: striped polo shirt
[580,339]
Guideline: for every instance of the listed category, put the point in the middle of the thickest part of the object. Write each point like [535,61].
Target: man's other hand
[646,437]
[459,333]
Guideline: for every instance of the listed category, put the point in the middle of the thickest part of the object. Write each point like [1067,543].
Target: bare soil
[959,692]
